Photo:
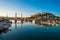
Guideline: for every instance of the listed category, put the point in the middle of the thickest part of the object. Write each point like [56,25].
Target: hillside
[44,15]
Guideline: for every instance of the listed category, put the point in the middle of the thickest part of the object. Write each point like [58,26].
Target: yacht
[4,23]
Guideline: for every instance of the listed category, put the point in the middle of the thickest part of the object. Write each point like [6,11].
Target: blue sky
[29,7]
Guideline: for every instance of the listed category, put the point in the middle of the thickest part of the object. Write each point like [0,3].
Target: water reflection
[21,24]
[15,25]
[18,23]
[4,29]
[29,30]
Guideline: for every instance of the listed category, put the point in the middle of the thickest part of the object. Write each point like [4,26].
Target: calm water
[29,31]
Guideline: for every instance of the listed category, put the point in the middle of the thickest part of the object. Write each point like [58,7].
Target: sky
[28,7]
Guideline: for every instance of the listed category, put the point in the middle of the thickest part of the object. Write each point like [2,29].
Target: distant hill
[44,15]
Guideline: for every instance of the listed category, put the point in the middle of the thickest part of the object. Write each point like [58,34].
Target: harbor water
[30,31]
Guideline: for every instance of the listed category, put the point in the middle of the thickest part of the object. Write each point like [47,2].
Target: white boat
[5,24]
